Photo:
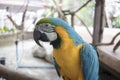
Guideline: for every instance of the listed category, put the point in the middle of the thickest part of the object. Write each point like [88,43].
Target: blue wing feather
[90,62]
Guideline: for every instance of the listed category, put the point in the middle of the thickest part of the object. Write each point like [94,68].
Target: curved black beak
[37,36]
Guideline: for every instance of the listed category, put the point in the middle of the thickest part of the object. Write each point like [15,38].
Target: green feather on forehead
[45,20]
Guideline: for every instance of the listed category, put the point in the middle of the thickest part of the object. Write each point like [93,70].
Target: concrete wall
[9,38]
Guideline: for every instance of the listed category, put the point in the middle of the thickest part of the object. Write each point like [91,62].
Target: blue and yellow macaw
[74,59]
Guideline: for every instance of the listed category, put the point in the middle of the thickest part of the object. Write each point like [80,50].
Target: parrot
[74,59]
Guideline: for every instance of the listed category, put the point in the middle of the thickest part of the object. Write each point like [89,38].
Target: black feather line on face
[57,43]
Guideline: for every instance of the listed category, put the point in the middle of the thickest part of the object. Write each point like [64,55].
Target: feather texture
[90,64]
[74,59]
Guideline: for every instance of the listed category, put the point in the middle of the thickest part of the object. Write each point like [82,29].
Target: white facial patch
[51,36]
[48,30]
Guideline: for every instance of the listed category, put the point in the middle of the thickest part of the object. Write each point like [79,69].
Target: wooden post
[98,21]
[72,20]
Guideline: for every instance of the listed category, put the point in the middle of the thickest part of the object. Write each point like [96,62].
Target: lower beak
[37,36]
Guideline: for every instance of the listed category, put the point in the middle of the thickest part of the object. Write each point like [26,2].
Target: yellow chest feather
[68,57]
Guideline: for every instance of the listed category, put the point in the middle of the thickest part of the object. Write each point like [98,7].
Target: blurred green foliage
[116,22]
[86,13]
[5,29]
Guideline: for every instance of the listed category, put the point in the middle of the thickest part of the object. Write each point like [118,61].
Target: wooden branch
[23,16]
[81,6]
[116,46]
[84,25]
[34,20]
[21,26]
[59,10]
[13,22]
[112,41]
[13,75]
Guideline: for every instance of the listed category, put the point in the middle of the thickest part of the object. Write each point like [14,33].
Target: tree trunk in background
[98,21]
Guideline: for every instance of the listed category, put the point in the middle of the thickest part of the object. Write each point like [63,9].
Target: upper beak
[37,36]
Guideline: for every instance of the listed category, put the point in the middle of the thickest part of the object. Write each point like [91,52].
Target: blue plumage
[90,62]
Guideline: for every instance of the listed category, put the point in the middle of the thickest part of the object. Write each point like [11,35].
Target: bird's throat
[56,43]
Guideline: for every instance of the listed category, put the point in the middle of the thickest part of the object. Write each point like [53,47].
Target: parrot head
[45,31]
